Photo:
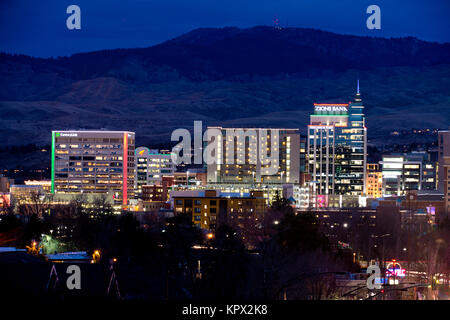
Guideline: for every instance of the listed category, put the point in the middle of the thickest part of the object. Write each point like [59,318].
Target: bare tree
[34,203]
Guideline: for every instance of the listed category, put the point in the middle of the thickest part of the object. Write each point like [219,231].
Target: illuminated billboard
[321,201]
[330,108]
[394,269]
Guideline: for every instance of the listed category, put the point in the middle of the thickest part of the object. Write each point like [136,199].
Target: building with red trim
[94,162]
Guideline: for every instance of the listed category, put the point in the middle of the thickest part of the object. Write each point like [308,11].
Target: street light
[96,256]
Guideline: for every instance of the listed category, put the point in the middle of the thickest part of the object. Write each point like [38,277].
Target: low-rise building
[151,166]
[191,177]
[211,208]
[5,183]
[374,181]
[46,184]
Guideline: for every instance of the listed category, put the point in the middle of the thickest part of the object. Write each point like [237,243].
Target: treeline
[292,260]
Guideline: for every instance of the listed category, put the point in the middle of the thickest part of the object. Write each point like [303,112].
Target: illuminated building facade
[409,171]
[305,177]
[444,166]
[5,200]
[269,191]
[94,162]
[22,193]
[46,184]
[158,192]
[252,170]
[374,181]
[211,208]
[192,177]
[298,196]
[5,183]
[337,148]
[151,166]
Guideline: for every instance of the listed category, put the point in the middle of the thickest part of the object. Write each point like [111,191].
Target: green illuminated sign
[53,160]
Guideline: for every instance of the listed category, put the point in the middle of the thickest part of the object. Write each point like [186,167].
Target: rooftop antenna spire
[357,87]
[276,23]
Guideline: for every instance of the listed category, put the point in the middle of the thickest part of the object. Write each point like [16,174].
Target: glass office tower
[337,148]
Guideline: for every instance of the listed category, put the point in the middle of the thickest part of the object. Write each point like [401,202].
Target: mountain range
[260,76]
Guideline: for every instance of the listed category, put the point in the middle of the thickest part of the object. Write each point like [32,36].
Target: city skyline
[220,158]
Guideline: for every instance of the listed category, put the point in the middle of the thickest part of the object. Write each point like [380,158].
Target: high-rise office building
[337,148]
[94,162]
[406,172]
[151,166]
[444,166]
[252,169]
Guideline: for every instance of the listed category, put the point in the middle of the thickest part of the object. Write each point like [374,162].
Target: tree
[227,269]
[33,229]
[77,205]
[11,230]
[36,202]
[226,238]
[100,206]
[178,237]
[130,240]
[297,259]
[278,209]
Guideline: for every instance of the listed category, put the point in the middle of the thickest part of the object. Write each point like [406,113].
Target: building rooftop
[81,130]
[81,255]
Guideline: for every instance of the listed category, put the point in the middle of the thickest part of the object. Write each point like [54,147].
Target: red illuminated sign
[125,169]
[322,201]
[395,270]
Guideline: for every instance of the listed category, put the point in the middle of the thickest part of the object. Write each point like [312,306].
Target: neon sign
[125,170]
[431,210]
[321,108]
[322,201]
[394,269]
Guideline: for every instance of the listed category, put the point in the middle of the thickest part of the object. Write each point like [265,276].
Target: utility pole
[113,282]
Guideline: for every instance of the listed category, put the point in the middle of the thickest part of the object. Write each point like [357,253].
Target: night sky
[39,28]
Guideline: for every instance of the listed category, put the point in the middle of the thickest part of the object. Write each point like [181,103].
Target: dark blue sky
[38,28]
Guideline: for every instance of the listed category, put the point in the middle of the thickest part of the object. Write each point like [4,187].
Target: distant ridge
[225,76]
[227,53]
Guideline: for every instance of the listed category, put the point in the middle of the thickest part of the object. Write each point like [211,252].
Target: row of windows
[91,140]
[188,202]
[118,170]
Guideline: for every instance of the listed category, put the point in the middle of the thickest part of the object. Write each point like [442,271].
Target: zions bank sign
[331,108]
